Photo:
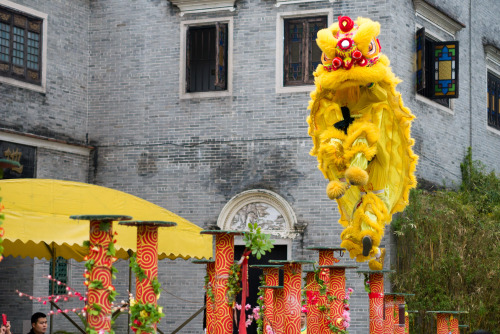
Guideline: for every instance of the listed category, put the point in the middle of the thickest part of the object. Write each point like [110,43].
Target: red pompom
[345,23]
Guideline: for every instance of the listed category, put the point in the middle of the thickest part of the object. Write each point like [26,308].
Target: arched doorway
[275,216]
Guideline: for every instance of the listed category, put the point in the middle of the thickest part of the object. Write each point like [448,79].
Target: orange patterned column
[326,258]
[271,275]
[376,296]
[388,314]
[279,308]
[447,322]
[101,235]
[337,289]
[314,316]
[210,301]
[147,259]
[224,258]
[292,286]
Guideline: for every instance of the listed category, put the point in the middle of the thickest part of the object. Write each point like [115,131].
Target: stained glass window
[436,68]
[493,102]
[301,53]
[445,63]
[20,41]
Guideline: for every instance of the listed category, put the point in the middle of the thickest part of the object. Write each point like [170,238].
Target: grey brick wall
[113,71]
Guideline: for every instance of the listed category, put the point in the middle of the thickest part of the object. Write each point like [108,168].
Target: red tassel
[244,286]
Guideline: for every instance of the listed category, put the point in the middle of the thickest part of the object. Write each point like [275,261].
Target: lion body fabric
[361,134]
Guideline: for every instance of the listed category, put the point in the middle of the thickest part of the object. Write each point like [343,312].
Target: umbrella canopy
[37,222]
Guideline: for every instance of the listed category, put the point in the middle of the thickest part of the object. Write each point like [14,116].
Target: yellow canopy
[37,221]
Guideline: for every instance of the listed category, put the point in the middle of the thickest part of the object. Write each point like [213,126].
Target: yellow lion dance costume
[361,134]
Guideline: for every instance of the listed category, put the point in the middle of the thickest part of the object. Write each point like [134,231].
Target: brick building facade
[112,108]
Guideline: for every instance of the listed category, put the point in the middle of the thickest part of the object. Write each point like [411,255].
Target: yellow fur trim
[327,42]
[368,152]
[356,176]
[375,265]
[368,31]
[336,189]
[360,129]
[354,233]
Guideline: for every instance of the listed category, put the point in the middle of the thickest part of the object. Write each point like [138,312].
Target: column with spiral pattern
[209,300]
[224,258]
[147,259]
[100,238]
[376,303]
[279,316]
[389,314]
[447,323]
[336,288]
[314,316]
[272,279]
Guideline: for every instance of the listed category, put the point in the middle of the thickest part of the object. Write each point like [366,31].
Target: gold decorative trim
[20,21]
[4,16]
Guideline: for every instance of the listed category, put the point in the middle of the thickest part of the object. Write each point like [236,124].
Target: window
[301,53]
[60,273]
[20,46]
[437,68]
[493,101]
[206,58]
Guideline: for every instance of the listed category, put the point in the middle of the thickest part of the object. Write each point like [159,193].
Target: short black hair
[36,316]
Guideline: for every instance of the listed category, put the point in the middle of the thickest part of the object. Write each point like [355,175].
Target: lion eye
[372,48]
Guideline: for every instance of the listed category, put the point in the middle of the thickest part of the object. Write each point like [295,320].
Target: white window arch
[273,213]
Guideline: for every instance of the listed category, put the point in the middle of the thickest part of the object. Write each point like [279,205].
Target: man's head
[303,320]
[39,323]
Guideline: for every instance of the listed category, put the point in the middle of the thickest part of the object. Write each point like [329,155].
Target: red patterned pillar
[336,288]
[314,316]
[389,314]
[292,285]
[147,258]
[326,258]
[279,308]
[210,304]
[376,296]
[447,322]
[271,276]
[101,235]
[224,258]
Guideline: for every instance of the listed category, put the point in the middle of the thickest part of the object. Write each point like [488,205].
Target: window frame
[306,52]
[492,62]
[280,47]
[420,97]
[492,73]
[183,93]
[26,11]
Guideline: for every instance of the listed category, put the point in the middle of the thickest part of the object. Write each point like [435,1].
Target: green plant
[448,246]
[257,242]
[260,303]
